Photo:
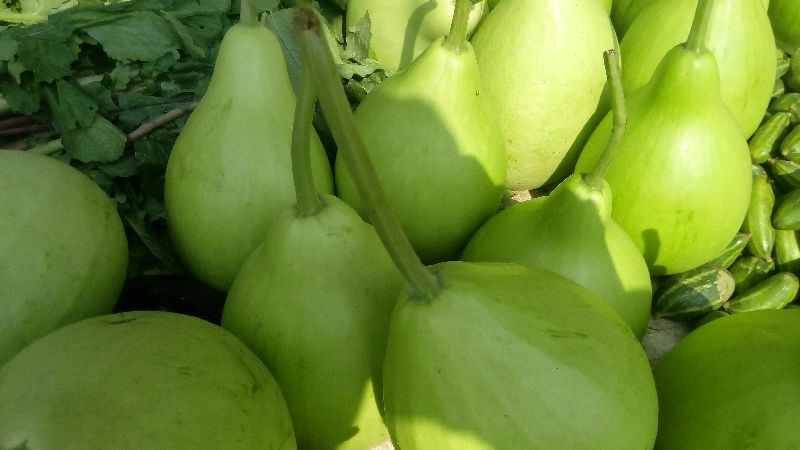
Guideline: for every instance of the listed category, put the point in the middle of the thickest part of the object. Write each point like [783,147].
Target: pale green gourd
[624,12]
[402,29]
[784,16]
[141,380]
[607,4]
[436,147]
[681,179]
[63,250]
[570,232]
[229,173]
[478,352]
[739,37]
[542,68]
[313,301]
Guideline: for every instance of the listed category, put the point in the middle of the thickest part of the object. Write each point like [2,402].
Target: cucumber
[786,214]
[768,136]
[732,251]
[694,292]
[786,173]
[747,271]
[787,251]
[779,88]
[775,292]
[788,102]
[758,220]
[781,67]
[708,317]
[790,145]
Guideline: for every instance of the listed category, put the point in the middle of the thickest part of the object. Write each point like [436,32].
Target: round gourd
[510,357]
[141,380]
[784,16]
[63,251]
[732,383]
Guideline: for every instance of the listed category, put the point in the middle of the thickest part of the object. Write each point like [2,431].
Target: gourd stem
[248,14]
[458,27]
[422,283]
[620,120]
[308,203]
[702,18]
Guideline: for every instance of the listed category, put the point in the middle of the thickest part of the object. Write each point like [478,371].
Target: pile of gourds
[408,309]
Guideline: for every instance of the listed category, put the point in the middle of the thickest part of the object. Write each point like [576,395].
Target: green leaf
[145,36]
[73,107]
[101,141]
[47,51]
[185,34]
[23,98]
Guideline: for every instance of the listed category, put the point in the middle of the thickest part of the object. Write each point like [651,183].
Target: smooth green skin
[402,29]
[682,175]
[732,384]
[230,170]
[436,148]
[314,303]
[511,357]
[607,4]
[141,380]
[784,16]
[571,232]
[739,36]
[532,55]
[63,250]
[624,12]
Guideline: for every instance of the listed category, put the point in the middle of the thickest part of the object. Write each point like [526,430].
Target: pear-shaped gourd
[436,148]
[739,37]
[511,357]
[402,29]
[624,12]
[229,173]
[314,302]
[543,78]
[63,251]
[571,232]
[681,178]
[784,16]
[141,380]
[493,356]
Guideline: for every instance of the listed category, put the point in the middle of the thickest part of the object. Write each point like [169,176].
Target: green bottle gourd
[681,179]
[543,78]
[624,12]
[229,173]
[607,4]
[571,232]
[313,301]
[478,352]
[436,147]
[739,37]
[784,16]
[402,29]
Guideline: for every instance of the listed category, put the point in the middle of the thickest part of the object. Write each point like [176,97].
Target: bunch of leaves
[106,87]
